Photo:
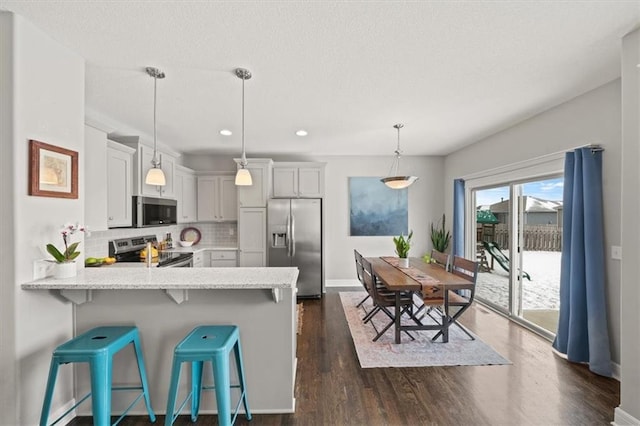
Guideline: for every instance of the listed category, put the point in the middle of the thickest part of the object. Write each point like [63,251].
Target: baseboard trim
[622,418]
[60,411]
[342,283]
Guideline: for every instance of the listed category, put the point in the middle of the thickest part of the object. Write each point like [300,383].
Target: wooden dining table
[397,280]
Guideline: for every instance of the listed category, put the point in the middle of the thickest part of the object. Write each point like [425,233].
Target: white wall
[591,118]
[425,206]
[629,410]
[8,364]
[48,93]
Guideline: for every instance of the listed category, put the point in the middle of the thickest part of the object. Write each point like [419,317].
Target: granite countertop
[171,278]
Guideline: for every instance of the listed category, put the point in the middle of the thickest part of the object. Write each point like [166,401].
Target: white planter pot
[65,270]
[403,262]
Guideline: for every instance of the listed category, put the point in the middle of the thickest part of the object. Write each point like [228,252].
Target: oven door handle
[182,263]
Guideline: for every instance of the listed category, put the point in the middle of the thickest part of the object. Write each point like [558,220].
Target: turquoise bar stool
[97,347]
[208,343]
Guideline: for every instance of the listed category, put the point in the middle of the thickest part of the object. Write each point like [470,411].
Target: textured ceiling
[452,72]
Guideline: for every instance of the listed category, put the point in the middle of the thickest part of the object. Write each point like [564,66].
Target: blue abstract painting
[375,209]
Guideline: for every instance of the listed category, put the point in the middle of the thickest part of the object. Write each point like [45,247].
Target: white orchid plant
[70,252]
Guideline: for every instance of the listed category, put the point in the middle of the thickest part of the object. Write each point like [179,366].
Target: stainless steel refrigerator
[294,234]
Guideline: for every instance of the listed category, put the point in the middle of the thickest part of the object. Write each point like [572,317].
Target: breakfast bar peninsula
[166,303]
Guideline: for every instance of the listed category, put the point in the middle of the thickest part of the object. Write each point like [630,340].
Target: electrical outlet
[616,252]
[232,232]
[42,268]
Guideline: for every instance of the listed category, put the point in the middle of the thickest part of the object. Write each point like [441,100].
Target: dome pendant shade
[399,182]
[395,181]
[243,177]
[155,176]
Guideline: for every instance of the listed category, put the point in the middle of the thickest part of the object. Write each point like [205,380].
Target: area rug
[421,352]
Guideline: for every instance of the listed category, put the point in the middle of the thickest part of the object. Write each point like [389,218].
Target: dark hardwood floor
[539,388]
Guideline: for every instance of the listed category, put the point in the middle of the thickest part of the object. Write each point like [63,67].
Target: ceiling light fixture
[155,175]
[302,132]
[394,181]
[243,177]
[226,132]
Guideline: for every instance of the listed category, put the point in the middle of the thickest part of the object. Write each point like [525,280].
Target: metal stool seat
[97,347]
[212,343]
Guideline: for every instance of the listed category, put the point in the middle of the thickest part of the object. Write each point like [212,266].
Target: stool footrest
[71,409]
[179,410]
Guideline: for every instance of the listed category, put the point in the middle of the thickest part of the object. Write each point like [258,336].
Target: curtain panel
[582,327]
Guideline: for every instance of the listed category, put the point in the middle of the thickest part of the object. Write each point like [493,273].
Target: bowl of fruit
[92,262]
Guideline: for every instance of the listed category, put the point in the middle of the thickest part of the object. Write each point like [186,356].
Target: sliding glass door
[518,244]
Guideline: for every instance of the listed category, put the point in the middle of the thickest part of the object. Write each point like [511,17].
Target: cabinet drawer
[223,255]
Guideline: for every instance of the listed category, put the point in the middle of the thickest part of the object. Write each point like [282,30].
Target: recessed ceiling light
[225,132]
[302,132]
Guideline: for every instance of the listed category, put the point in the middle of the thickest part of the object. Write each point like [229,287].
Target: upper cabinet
[95,172]
[186,194]
[119,184]
[298,180]
[168,166]
[258,193]
[142,163]
[217,198]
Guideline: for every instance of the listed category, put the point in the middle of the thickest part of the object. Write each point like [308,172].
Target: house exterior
[536,211]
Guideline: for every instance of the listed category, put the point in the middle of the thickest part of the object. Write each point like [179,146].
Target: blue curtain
[457,247]
[582,328]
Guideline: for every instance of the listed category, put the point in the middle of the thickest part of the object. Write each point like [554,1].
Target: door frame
[509,175]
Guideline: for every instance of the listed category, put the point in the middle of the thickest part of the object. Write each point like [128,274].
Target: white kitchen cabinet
[95,172]
[198,259]
[298,180]
[252,236]
[223,258]
[258,193]
[186,189]
[119,184]
[168,166]
[142,163]
[217,198]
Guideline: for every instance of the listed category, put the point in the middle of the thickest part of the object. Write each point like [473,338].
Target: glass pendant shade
[155,176]
[395,181]
[243,177]
[399,182]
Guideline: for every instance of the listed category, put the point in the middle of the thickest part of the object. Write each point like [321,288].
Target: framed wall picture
[53,171]
[375,209]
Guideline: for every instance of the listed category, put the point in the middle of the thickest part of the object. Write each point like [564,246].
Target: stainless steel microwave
[148,211]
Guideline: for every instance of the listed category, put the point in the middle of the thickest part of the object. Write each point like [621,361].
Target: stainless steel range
[128,250]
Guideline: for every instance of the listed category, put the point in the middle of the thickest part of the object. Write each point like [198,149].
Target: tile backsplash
[223,234]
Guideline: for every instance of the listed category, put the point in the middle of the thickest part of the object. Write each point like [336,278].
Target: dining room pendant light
[395,180]
[155,175]
[243,177]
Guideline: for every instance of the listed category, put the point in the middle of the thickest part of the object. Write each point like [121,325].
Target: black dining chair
[360,273]
[383,300]
[467,269]
[441,259]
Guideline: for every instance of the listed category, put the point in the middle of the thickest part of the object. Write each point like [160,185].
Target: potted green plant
[66,265]
[440,237]
[402,249]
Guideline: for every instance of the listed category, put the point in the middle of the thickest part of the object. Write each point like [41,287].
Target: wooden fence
[536,238]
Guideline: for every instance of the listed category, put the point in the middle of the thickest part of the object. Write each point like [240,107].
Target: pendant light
[243,177]
[395,181]
[155,175]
